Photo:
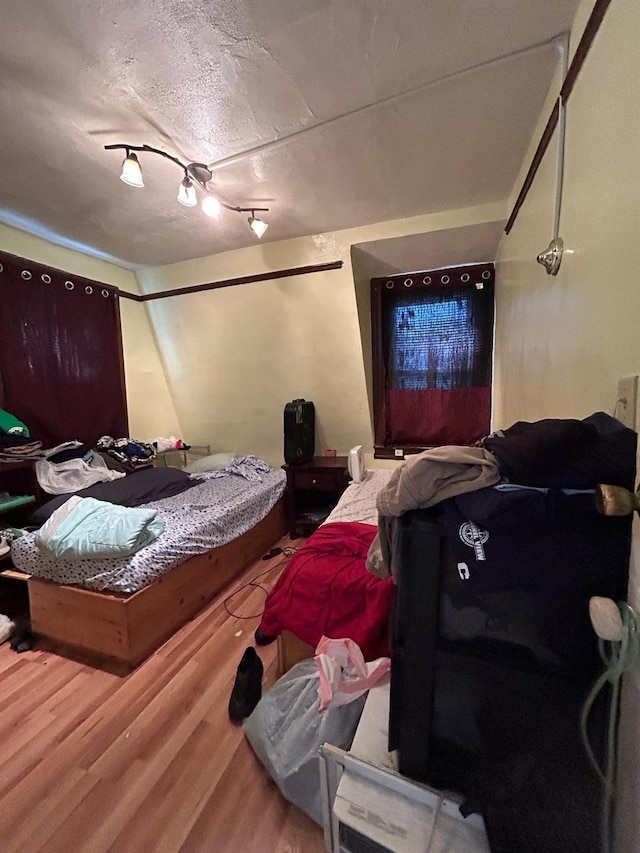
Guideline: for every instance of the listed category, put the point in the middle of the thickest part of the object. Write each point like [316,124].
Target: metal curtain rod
[589,34]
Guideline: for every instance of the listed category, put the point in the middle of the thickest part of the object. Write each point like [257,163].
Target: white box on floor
[373,809]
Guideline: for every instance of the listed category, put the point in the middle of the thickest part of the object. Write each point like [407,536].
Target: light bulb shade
[187,193]
[257,226]
[211,205]
[131,171]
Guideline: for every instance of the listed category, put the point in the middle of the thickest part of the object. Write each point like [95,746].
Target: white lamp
[187,192]
[257,226]
[131,171]
[211,205]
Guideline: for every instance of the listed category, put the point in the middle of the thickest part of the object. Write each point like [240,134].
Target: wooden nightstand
[313,489]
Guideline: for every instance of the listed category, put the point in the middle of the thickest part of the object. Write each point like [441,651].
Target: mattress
[358,501]
[214,512]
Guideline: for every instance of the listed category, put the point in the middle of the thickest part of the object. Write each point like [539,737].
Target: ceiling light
[257,225]
[131,171]
[195,175]
[211,206]
[187,192]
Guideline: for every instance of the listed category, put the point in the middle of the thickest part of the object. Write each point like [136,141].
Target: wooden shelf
[14,574]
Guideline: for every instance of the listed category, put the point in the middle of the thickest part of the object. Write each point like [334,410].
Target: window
[432,339]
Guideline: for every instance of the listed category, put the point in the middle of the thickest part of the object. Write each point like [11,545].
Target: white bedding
[358,501]
[209,515]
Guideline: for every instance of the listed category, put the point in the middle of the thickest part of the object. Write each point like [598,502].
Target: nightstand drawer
[321,480]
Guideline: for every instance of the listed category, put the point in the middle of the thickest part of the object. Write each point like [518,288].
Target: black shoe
[247,689]
[262,639]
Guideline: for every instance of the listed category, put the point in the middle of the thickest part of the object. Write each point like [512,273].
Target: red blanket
[326,590]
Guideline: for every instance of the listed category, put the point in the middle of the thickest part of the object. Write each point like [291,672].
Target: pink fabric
[326,590]
[344,675]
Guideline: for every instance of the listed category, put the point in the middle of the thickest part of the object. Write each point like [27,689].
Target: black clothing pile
[125,454]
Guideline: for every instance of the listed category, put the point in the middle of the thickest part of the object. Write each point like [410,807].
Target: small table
[313,489]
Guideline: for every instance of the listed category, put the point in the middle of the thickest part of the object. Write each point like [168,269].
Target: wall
[151,410]
[234,356]
[562,342]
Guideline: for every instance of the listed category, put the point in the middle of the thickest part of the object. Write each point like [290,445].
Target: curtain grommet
[426,279]
[445,279]
[69,285]
[88,290]
[389,285]
[408,282]
[26,275]
[46,278]
[486,274]
[105,293]
[464,277]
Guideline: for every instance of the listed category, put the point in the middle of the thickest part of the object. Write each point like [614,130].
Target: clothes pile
[554,453]
[71,466]
[125,454]
[16,443]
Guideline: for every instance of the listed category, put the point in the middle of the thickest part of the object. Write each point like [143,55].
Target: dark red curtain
[61,364]
[435,346]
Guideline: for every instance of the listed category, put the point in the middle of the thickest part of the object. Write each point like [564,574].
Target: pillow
[210,463]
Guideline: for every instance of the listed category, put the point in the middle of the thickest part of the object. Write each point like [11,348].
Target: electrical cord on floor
[618,656]
[287,552]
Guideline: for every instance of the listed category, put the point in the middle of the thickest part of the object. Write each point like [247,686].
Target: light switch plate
[627,400]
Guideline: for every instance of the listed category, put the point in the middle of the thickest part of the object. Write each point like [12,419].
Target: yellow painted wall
[151,410]
[562,342]
[235,356]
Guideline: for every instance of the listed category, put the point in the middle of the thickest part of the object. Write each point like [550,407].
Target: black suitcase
[299,432]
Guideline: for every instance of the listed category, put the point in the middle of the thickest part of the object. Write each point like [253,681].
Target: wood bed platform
[291,650]
[118,631]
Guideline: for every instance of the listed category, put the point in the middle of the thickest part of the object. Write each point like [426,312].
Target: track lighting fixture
[195,175]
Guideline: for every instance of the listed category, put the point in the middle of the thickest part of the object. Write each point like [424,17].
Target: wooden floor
[150,763]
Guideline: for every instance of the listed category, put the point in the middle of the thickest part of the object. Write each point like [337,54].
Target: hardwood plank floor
[91,762]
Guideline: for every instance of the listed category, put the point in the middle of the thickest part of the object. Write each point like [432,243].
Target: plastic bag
[344,675]
[286,731]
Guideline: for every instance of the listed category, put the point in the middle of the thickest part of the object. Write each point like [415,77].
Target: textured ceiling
[316,86]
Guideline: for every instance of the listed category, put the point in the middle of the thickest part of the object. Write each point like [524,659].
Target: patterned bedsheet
[211,514]
[358,501]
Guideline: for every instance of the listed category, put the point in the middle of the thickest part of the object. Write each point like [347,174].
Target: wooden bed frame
[291,650]
[118,631]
